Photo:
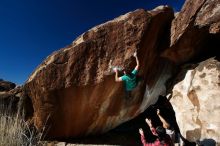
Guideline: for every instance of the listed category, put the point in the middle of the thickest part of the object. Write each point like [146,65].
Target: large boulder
[6,85]
[195,31]
[196,102]
[9,101]
[73,91]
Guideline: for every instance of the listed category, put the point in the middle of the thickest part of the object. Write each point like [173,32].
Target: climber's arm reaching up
[165,123]
[137,61]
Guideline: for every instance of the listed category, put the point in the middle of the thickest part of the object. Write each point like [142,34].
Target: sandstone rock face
[194,29]
[73,91]
[197,104]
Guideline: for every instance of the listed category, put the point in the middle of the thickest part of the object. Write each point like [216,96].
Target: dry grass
[14,131]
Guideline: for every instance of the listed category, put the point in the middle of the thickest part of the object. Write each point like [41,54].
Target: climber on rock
[129,78]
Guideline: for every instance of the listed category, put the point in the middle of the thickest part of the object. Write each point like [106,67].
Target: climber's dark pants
[128,94]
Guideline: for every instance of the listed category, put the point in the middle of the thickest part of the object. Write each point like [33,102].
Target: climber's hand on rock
[135,54]
[115,69]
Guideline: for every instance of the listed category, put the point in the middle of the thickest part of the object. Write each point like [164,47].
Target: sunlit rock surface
[73,91]
[195,31]
[197,104]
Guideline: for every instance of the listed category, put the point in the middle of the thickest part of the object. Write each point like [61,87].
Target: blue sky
[30,30]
